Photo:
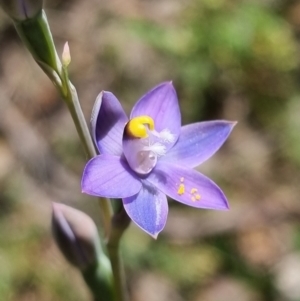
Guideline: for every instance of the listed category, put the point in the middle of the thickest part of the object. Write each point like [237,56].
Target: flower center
[143,145]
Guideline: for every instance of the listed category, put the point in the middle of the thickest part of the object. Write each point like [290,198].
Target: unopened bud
[21,10]
[76,235]
[66,56]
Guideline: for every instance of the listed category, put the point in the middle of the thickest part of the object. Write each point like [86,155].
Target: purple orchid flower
[150,156]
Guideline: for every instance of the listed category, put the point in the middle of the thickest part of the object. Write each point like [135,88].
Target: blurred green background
[228,59]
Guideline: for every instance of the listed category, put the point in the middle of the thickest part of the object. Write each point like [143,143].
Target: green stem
[99,279]
[120,222]
[118,271]
[114,226]
[79,120]
[72,101]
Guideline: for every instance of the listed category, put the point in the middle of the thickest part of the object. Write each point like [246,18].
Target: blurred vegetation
[229,59]
[229,45]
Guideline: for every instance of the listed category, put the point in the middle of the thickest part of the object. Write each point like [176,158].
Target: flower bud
[66,56]
[31,24]
[76,235]
[21,10]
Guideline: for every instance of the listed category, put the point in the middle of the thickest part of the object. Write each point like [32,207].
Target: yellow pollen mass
[136,127]
[194,190]
[195,196]
[181,189]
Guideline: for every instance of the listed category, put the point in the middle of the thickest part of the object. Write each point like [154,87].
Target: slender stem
[120,222]
[118,271]
[73,104]
[79,120]
[114,225]
[99,278]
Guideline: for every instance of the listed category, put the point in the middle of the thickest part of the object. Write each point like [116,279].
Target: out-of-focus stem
[100,281]
[120,223]
[118,271]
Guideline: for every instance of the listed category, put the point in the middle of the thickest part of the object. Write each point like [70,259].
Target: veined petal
[148,209]
[161,104]
[198,142]
[109,176]
[107,124]
[187,186]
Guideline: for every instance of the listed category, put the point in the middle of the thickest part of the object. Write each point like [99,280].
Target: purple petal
[197,190]
[198,142]
[148,209]
[109,176]
[161,104]
[107,124]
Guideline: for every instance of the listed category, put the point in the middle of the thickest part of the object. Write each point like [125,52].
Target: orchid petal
[198,142]
[148,209]
[161,104]
[107,124]
[109,176]
[187,186]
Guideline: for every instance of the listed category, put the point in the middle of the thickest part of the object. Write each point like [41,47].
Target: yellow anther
[137,126]
[181,189]
[194,195]
[182,179]
[194,190]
